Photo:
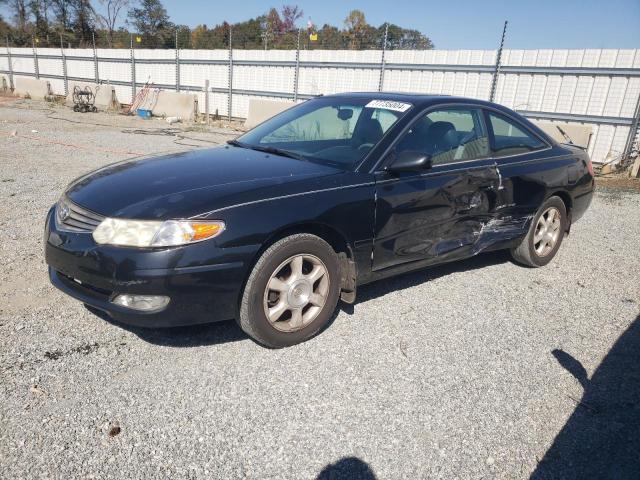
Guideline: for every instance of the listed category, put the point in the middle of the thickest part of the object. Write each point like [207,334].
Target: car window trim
[486,110]
[417,117]
[483,163]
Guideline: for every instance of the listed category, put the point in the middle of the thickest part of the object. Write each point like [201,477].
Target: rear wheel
[292,291]
[545,235]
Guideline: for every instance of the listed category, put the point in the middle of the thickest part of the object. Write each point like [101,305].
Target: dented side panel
[445,214]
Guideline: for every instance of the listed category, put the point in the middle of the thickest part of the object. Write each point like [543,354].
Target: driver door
[435,215]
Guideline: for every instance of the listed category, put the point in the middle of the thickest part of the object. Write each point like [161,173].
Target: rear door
[436,215]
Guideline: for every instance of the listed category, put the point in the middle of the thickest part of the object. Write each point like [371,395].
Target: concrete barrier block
[171,104]
[105,94]
[580,134]
[32,88]
[261,110]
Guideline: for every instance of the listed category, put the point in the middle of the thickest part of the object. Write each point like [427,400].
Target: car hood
[187,184]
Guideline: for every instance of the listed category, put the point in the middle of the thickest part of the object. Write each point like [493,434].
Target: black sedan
[275,227]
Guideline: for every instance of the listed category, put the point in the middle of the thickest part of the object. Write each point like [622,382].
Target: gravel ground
[444,373]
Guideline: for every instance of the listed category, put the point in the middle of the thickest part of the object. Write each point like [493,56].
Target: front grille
[74,218]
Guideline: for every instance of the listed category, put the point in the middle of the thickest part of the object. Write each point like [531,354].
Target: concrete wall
[164,103]
[261,110]
[31,88]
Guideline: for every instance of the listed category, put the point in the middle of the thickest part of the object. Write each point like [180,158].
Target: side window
[509,138]
[448,135]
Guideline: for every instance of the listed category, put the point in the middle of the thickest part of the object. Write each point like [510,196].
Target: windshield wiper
[273,150]
[564,134]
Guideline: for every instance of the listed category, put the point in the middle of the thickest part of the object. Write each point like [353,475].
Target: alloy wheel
[296,292]
[548,231]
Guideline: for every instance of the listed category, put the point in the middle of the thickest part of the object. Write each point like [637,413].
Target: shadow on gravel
[601,439]
[408,280]
[190,336]
[224,332]
[347,468]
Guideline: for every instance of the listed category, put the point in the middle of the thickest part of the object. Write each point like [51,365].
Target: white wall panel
[597,95]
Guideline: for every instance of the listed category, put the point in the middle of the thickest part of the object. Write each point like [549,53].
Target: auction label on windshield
[389,105]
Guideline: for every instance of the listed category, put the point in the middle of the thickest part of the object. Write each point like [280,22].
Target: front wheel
[545,235]
[292,291]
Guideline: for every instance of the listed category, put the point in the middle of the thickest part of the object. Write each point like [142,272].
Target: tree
[84,21]
[247,34]
[110,16]
[199,37]
[39,9]
[152,22]
[356,26]
[19,8]
[399,38]
[331,38]
[62,12]
[271,27]
[290,15]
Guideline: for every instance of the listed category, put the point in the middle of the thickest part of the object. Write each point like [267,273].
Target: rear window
[510,138]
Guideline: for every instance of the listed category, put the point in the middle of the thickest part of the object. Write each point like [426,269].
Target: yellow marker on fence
[138,39]
[313,37]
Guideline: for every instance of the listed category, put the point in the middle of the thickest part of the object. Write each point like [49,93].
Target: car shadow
[347,468]
[601,439]
[411,279]
[188,336]
[229,331]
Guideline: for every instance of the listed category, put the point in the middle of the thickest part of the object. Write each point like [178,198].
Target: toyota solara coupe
[273,228]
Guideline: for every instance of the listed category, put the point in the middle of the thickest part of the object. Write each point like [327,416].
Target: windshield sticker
[389,105]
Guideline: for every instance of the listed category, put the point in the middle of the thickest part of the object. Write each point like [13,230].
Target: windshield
[332,130]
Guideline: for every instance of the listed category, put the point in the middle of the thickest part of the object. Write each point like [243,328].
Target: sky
[457,24]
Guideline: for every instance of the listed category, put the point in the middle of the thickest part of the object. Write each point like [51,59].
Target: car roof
[419,99]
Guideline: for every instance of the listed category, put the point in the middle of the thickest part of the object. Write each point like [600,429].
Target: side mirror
[410,161]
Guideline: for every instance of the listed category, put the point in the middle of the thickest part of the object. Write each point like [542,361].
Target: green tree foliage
[77,21]
[151,22]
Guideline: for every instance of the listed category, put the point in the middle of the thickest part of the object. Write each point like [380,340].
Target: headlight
[144,233]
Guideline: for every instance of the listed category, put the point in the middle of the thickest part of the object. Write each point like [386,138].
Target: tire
[534,253]
[276,267]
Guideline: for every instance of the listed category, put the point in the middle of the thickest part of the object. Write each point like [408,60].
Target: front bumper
[203,281]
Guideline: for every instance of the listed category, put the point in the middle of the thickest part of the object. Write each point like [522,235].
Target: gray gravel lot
[443,373]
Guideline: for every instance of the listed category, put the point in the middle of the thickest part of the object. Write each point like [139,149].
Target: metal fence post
[633,132]
[230,94]
[382,60]
[10,66]
[177,64]
[35,58]
[133,73]
[496,72]
[64,67]
[206,101]
[95,59]
[297,71]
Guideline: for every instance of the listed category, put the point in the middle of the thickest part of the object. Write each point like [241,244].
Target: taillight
[590,166]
